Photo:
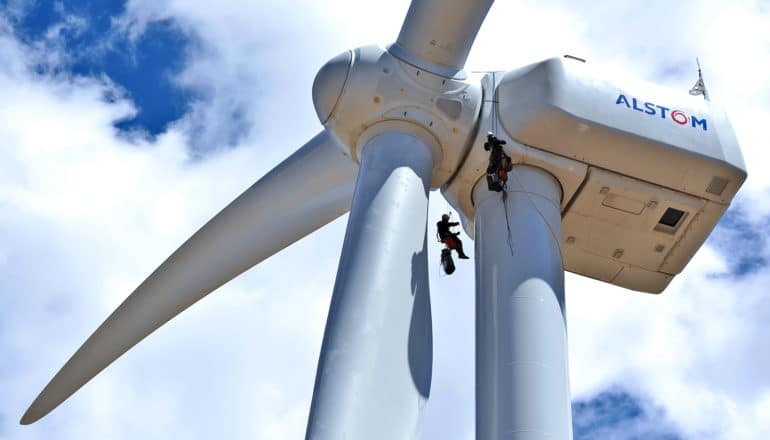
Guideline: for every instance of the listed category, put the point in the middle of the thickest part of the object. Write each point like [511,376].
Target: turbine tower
[621,185]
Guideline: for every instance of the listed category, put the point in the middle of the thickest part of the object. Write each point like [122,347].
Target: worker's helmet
[445,217]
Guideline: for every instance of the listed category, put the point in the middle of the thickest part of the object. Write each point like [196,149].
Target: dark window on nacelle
[671,217]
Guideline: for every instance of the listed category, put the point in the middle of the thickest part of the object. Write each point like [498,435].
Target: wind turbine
[617,185]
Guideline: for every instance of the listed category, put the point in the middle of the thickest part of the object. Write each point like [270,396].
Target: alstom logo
[651,109]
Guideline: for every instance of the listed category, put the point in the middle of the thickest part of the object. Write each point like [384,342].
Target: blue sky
[616,414]
[143,67]
[127,125]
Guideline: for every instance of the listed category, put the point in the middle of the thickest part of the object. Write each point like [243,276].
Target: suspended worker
[449,238]
[500,164]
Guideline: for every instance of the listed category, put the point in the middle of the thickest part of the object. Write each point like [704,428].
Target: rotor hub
[369,86]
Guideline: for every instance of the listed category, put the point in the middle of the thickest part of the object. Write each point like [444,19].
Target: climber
[499,163]
[449,238]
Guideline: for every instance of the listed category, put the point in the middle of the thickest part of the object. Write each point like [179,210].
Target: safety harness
[500,164]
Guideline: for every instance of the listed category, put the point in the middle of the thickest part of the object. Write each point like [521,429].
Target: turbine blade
[306,191]
[437,35]
[374,371]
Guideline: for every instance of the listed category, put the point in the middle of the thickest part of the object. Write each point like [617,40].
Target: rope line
[494,103]
[507,219]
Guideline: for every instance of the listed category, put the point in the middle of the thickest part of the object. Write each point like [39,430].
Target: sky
[125,125]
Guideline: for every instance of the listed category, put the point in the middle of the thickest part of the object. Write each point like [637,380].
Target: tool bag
[446,261]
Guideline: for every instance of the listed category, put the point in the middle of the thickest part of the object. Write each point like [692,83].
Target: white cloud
[89,214]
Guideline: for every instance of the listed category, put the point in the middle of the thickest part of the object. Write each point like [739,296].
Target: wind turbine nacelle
[646,172]
[662,168]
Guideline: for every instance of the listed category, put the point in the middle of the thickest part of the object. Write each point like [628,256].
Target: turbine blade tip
[28,418]
[33,414]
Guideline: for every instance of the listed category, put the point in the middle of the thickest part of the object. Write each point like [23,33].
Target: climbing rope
[507,220]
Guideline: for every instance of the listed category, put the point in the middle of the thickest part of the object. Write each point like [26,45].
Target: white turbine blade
[374,371]
[306,191]
[440,33]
